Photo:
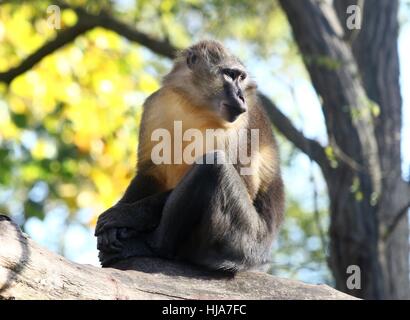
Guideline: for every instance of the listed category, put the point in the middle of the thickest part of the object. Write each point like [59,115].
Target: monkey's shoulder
[163,99]
[266,159]
[258,119]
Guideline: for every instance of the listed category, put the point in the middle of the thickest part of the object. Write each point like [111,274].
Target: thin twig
[397,218]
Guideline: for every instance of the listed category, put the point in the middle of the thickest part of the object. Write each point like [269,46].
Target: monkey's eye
[230,73]
[234,74]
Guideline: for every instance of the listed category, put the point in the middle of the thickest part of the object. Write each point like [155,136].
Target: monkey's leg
[209,219]
[195,187]
[186,205]
[140,187]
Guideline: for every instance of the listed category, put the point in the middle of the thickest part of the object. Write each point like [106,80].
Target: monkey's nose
[236,108]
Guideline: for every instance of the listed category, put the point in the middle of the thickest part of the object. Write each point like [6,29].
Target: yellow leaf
[17,105]
[67,190]
[43,149]
[68,17]
[148,83]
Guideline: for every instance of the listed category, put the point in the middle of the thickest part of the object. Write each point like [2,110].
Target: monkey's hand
[132,247]
[127,215]
[126,220]
[123,221]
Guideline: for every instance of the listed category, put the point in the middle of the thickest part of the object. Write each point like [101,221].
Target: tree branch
[64,37]
[402,202]
[106,21]
[86,22]
[310,147]
[161,47]
[28,271]
[395,221]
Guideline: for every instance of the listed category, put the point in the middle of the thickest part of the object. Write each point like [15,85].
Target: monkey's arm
[138,211]
[142,215]
[269,202]
[142,198]
[127,220]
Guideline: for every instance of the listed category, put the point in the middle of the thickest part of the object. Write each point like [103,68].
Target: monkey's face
[232,103]
[222,86]
[216,80]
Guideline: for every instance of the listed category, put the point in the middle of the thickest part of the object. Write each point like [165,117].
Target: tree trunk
[356,74]
[28,271]
[376,53]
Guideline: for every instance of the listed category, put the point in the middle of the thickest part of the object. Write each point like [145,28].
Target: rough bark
[354,73]
[376,53]
[28,271]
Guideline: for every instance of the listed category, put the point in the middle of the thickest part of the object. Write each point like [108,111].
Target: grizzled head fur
[213,78]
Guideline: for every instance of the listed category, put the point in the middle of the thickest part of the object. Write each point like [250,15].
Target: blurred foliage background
[68,126]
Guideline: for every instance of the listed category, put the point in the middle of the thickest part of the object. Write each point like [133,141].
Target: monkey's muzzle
[233,104]
[232,109]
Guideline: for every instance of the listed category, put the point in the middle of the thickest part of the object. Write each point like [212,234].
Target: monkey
[205,213]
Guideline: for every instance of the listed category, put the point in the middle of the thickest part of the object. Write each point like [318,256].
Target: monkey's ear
[191,59]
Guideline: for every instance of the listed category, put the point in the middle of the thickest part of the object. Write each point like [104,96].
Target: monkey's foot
[132,247]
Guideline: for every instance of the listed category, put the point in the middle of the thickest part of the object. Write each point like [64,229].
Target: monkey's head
[212,78]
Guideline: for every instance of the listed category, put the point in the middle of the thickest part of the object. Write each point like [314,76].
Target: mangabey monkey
[206,214]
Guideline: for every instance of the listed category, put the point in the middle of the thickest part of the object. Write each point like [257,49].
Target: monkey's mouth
[232,117]
[232,111]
